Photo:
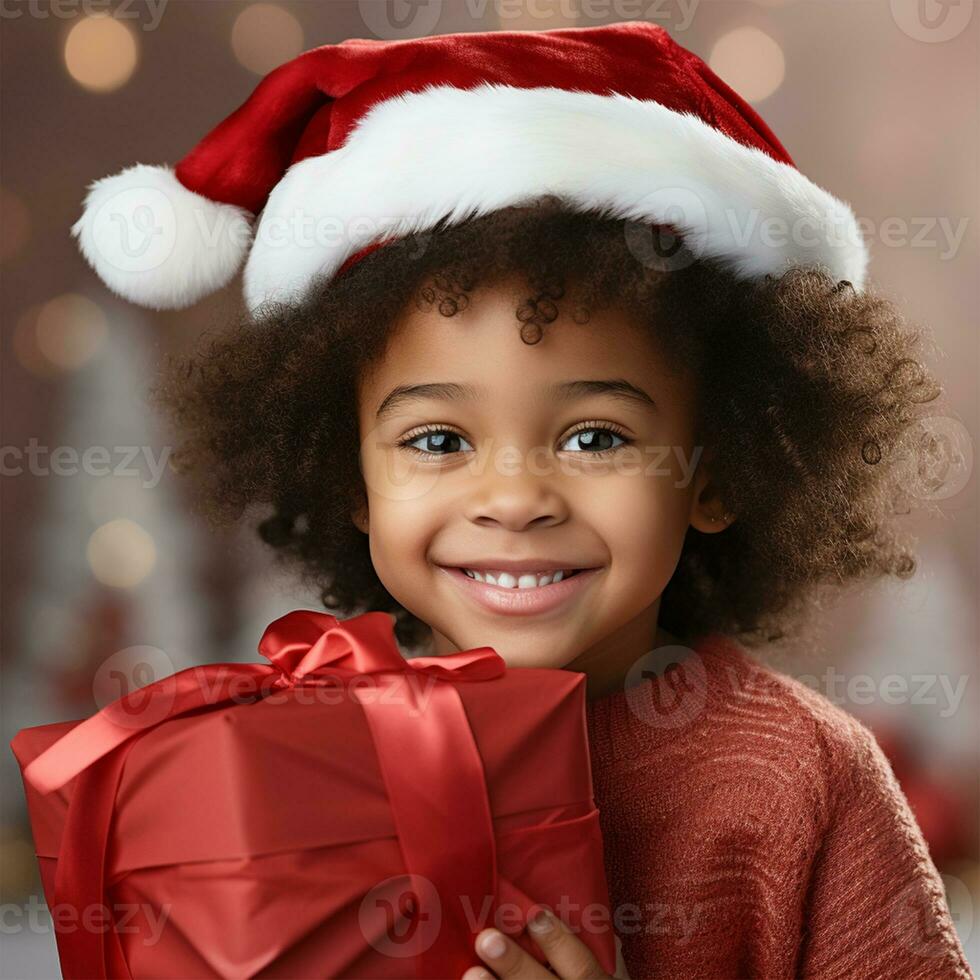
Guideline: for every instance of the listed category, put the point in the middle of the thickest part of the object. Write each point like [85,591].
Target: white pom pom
[158,244]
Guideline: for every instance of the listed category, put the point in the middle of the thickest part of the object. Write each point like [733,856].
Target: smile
[551,590]
[527,580]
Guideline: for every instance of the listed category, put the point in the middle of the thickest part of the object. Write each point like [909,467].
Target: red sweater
[754,829]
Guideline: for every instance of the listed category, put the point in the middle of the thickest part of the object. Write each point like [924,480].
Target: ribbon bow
[303,647]
[306,645]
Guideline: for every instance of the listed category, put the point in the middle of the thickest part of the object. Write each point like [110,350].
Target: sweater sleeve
[876,904]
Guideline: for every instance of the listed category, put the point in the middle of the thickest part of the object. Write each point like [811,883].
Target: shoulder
[735,678]
[816,739]
[720,723]
[825,757]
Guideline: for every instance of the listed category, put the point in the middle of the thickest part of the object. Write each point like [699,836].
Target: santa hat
[350,145]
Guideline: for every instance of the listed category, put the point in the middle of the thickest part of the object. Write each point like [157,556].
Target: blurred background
[105,566]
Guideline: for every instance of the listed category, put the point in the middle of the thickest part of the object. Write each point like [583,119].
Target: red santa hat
[350,145]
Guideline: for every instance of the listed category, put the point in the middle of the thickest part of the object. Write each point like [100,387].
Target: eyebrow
[563,391]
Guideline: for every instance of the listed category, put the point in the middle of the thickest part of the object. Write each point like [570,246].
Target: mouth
[519,580]
[551,591]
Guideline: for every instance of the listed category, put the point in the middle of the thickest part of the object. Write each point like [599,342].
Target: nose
[517,501]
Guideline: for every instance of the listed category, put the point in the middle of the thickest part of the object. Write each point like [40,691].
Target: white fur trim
[155,242]
[450,153]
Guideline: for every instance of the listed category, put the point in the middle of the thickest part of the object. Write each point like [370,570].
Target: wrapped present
[340,811]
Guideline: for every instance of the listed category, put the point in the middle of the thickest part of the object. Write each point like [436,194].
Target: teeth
[529,580]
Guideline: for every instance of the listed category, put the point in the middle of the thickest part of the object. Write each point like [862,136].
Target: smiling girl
[455,423]
[545,403]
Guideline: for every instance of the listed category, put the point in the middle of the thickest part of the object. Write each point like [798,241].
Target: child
[534,393]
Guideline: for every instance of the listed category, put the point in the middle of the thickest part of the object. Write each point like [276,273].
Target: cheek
[642,517]
[400,497]
[400,535]
[393,477]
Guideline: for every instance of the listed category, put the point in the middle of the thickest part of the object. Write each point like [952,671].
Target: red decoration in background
[938,804]
[104,621]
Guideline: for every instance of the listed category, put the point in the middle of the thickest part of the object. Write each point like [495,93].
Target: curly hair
[809,400]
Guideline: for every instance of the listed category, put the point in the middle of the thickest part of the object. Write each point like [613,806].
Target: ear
[359,517]
[708,511]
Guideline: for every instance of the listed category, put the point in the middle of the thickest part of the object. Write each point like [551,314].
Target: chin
[513,646]
[523,657]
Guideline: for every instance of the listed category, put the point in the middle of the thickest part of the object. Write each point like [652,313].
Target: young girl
[532,409]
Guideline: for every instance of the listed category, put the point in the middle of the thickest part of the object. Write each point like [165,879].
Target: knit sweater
[754,829]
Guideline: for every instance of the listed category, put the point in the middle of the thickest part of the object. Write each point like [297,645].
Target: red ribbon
[439,803]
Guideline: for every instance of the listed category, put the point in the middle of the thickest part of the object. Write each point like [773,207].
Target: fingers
[506,959]
[621,971]
[569,957]
[477,973]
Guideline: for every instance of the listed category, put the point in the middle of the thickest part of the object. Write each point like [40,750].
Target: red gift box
[341,811]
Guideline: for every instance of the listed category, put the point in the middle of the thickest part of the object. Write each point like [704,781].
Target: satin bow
[303,648]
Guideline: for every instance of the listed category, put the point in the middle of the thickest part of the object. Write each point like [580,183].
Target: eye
[441,442]
[594,438]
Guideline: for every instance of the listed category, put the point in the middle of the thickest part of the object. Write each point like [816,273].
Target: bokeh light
[101,53]
[750,61]
[121,553]
[24,343]
[70,329]
[265,36]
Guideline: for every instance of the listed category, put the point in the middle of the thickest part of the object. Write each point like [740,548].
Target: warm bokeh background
[876,101]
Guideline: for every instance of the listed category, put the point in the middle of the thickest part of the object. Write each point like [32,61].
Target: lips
[521,602]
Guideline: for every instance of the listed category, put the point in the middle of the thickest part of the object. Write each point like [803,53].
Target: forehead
[482,344]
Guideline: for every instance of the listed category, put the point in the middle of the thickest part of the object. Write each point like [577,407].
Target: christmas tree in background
[113,601]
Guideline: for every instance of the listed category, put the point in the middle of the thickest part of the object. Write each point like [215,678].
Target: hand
[569,957]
